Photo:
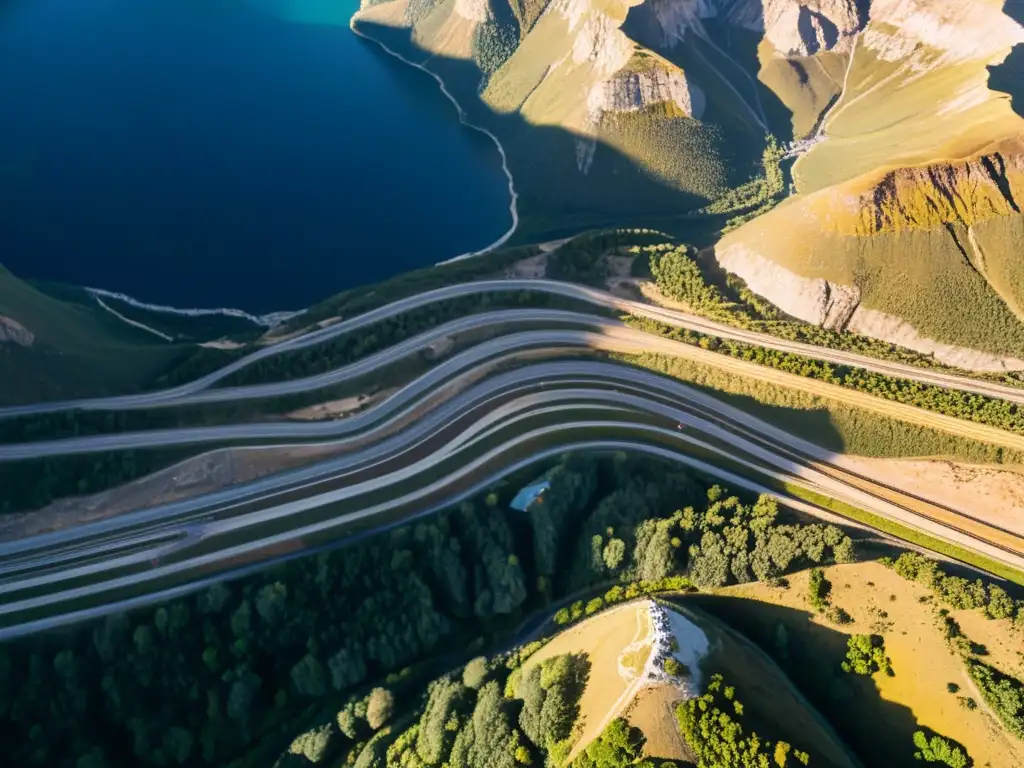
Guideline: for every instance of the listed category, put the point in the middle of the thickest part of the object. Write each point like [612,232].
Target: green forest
[231,675]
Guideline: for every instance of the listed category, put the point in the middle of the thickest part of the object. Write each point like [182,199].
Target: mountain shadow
[561,192]
[1008,77]
[880,732]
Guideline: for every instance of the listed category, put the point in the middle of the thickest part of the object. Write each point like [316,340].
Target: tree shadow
[1008,77]
[880,732]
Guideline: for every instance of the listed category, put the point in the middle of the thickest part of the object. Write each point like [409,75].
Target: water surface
[248,153]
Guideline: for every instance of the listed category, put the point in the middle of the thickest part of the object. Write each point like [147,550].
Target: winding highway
[579,332]
[453,431]
[190,392]
[510,419]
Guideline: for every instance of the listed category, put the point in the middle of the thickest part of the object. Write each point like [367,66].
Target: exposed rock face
[811,300]
[572,10]
[879,325]
[11,331]
[631,91]
[473,10]
[793,27]
[805,28]
[602,44]
[944,193]
[949,31]
[837,307]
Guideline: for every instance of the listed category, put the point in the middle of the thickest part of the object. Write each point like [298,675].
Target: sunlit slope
[806,85]
[609,72]
[907,225]
[627,647]
[605,84]
[917,91]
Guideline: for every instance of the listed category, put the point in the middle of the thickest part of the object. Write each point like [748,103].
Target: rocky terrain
[903,220]
[14,332]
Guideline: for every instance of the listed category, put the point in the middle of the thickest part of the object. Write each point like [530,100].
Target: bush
[939,750]
[379,707]
[675,668]
[865,655]
[818,588]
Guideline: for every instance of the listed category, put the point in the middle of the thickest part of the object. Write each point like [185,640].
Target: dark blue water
[247,153]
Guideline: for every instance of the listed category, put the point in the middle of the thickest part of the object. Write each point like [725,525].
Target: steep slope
[603,105]
[907,223]
[629,648]
[53,348]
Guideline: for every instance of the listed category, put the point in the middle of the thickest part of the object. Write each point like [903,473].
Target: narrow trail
[131,322]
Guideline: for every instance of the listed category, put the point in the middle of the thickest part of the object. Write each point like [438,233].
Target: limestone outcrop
[793,27]
[630,90]
[13,332]
[965,192]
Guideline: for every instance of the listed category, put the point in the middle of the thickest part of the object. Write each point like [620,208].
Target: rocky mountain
[903,216]
[908,194]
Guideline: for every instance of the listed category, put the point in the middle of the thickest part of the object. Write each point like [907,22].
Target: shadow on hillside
[880,732]
[1008,77]
[556,197]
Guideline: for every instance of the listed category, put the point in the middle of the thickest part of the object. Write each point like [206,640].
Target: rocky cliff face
[793,27]
[806,28]
[473,10]
[966,193]
[629,91]
[599,43]
[943,31]
[837,307]
[13,332]
[816,301]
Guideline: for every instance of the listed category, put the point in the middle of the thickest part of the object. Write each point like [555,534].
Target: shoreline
[513,194]
[270,320]
[274,319]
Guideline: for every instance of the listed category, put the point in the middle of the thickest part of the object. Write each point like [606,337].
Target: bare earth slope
[907,224]
[905,221]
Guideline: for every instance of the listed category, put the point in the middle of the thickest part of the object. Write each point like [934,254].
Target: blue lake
[244,153]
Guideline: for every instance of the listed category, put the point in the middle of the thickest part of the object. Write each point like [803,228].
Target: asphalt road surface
[458,448]
[183,394]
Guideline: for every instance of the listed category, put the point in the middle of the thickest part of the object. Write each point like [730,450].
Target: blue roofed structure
[528,495]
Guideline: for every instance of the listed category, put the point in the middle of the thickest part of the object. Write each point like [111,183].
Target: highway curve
[458,448]
[602,335]
[181,394]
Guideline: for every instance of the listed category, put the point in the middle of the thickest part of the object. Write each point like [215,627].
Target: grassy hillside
[923,276]
[627,680]
[909,181]
[76,349]
[912,186]
[601,122]
[930,689]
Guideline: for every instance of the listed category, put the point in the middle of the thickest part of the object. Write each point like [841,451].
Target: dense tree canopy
[224,677]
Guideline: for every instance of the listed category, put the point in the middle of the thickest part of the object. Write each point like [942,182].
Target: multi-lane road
[444,436]
[192,391]
[463,445]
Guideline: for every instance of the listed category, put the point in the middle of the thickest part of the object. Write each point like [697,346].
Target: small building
[529,495]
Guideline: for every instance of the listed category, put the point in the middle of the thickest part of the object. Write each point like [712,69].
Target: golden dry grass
[922,660]
[1005,649]
[766,693]
[603,638]
[653,712]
